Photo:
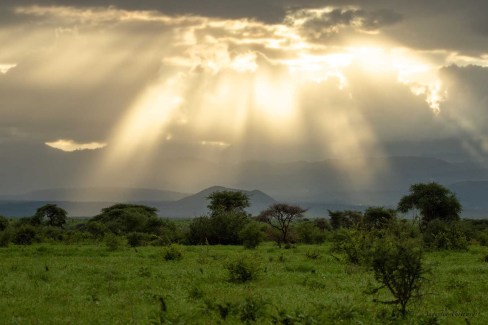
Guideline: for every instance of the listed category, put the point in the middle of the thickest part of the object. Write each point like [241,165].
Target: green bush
[243,269]
[357,245]
[25,235]
[172,253]
[440,235]
[135,239]
[251,235]
[113,242]
[3,223]
[308,232]
[397,266]
[5,237]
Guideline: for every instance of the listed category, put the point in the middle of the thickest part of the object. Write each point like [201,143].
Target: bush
[172,253]
[251,235]
[440,235]
[308,232]
[242,269]
[135,239]
[25,235]
[397,266]
[356,244]
[113,242]
[5,237]
[3,223]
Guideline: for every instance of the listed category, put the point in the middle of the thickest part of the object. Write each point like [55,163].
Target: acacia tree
[378,217]
[280,216]
[55,215]
[228,201]
[433,200]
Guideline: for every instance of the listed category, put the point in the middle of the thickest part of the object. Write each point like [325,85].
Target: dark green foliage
[280,216]
[251,310]
[5,237]
[378,217]
[308,232]
[357,245]
[226,227]
[123,219]
[397,266]
[200,231]
[227,201]
[227,219]
[135,239]
[3,223]
[221,228]
[56,216]
[113,242]
[51,233]
[243,269]
[24,235]
[440,235]
[433,200]
[172,253]
[96,229]
[345,219]
[251,235]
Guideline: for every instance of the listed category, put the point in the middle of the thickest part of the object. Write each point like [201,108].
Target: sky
[100,93]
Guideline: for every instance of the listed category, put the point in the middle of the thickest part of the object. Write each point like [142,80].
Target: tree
[397,266]
[345,219]
[55,215]
[226,221]
[280,216]
[125,218]
[378,217]
[228,201]
[433,200]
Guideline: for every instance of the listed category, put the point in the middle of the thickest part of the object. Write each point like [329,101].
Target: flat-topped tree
[227,201]
[433,200]
[280,216]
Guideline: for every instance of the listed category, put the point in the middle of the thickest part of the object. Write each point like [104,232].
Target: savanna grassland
[306,284]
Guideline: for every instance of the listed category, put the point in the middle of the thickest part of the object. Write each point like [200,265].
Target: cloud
[70,145]
[4,68]
[320,23]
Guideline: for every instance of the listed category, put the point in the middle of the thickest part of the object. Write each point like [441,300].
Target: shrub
[3,223]
[439,235]
[243,269]
[251,235]
[172,253]
[135,239]
[25,235]
[397,266]
[356,244]
[5,237]
[308,232]
[112,242]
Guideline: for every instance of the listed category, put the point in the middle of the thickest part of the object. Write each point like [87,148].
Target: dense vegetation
[128,265]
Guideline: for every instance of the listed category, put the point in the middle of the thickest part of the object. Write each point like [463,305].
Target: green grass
[87,284]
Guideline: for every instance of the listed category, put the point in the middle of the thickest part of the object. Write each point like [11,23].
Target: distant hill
[190,206]
[196,205]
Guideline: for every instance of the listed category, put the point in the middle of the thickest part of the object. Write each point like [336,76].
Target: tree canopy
[433,200]
[123,218]
[280,216]
[55,215]
[228,201]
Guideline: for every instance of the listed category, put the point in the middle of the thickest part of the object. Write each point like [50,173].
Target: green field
[89,284]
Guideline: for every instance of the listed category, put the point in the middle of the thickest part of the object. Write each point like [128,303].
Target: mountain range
[318,186]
